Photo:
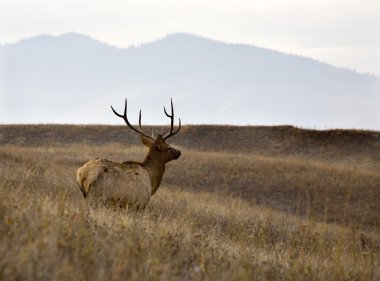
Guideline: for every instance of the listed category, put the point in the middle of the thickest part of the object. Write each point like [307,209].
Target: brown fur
[130,182]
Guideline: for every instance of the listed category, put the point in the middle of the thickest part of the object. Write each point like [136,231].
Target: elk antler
[171,133]
[124,116]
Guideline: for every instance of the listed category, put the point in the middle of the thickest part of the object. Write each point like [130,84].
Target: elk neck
[156,168]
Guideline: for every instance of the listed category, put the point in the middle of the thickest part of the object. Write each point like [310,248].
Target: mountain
[73,78]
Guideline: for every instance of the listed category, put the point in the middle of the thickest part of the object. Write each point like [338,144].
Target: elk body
[130,183]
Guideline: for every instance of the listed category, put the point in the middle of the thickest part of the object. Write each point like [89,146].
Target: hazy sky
[340,32]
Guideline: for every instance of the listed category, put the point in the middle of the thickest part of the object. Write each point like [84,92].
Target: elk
[130,183]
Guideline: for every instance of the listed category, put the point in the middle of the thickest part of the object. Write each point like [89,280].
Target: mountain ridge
[81,74]
[183,35]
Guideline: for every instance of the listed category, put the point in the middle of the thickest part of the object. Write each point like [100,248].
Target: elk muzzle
[176,153]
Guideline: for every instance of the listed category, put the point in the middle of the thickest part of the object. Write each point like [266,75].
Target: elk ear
[146,141]
[160,142]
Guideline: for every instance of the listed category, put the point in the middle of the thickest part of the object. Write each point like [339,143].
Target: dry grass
[218,216]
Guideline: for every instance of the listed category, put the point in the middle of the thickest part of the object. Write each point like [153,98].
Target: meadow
[242,203]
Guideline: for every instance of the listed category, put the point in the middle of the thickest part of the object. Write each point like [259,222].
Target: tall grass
[218,216]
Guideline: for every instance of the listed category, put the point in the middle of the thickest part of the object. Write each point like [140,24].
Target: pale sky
[343,33]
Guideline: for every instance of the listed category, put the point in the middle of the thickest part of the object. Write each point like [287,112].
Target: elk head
[158,148]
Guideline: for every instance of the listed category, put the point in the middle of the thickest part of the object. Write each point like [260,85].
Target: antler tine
[179,128]
[171,116]
[125,109]
[124,116]
[140,120]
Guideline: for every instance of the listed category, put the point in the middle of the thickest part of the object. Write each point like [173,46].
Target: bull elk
[130,183]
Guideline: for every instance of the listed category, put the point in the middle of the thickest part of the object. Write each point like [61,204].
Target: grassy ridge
[220,214]
[277,140]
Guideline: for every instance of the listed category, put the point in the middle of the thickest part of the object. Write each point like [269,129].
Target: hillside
[242,84]
[293,158]
[265,140]
[241,203]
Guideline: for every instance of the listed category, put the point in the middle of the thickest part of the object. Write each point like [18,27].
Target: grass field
[242,203]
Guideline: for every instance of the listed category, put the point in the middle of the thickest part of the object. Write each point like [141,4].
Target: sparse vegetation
[282,204]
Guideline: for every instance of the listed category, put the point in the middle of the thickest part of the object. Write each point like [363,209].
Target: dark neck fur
[155,167]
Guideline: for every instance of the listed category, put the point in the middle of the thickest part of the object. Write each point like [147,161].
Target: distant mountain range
[72,78]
